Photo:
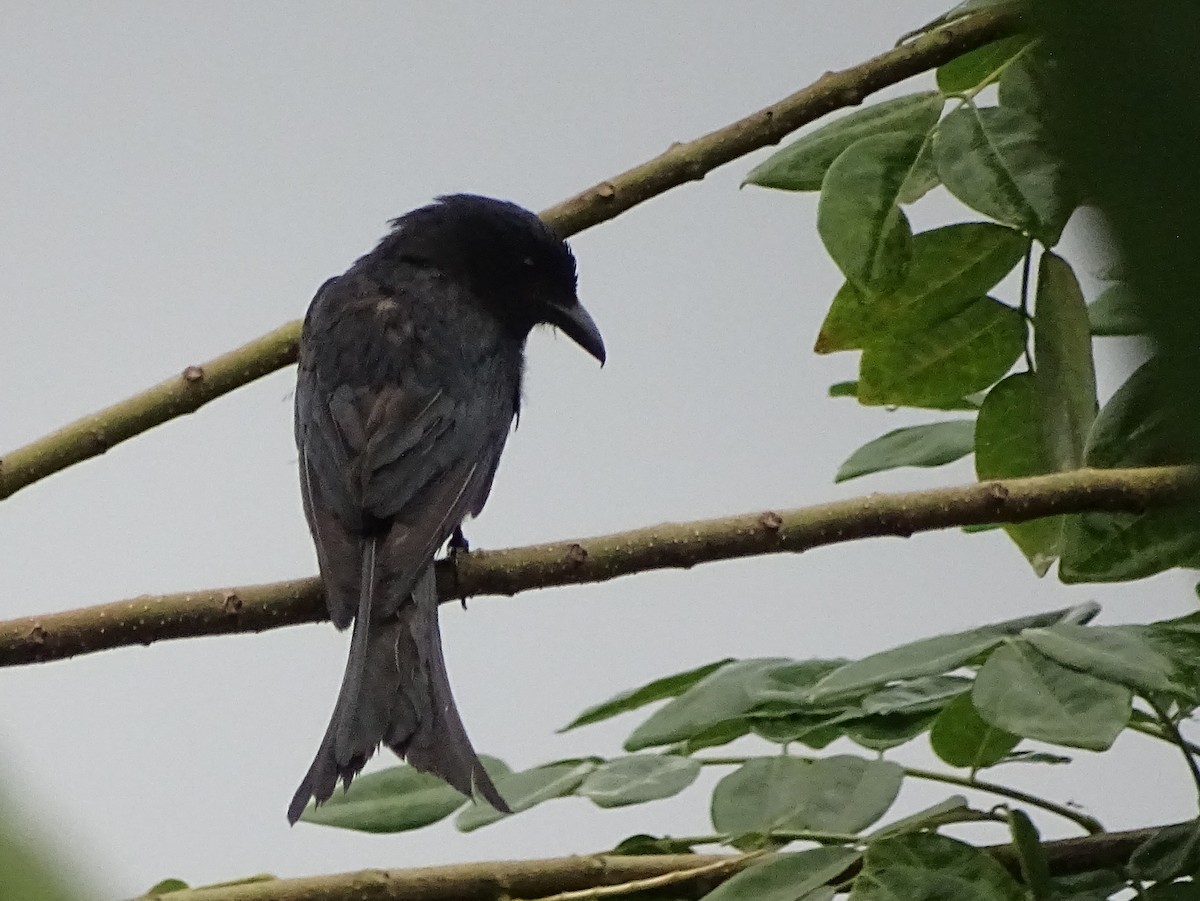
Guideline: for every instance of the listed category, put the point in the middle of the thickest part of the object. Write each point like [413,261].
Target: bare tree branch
[498,881]
[503,880]
[181,394]
[681,163]
[673,545]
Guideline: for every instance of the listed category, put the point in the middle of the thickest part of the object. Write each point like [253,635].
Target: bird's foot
[458,545]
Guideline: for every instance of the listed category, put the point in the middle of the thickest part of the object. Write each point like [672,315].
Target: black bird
[409,381]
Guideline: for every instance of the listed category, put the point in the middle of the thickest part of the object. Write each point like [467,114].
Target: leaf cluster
[976,696]
[923,309]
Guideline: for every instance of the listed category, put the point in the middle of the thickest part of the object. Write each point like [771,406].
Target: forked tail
[395,691]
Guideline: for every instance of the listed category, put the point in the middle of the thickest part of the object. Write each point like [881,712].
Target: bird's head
[512,260]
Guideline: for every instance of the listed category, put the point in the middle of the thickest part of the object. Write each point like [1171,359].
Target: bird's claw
[457,545]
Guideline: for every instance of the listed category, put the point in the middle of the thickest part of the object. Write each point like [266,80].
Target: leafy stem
[1088,823]
[1170,732]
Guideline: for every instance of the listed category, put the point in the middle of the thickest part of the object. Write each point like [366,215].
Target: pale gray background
[176,179]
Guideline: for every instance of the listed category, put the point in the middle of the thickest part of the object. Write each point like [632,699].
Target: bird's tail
[395,691]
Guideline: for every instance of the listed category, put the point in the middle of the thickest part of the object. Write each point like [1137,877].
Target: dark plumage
[409,380]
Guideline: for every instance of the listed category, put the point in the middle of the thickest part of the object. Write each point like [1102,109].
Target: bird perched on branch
[409,381]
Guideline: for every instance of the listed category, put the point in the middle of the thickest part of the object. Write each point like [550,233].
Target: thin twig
[1154,732]
[674,545]
[1025,269]
[1088,823]
[680,164]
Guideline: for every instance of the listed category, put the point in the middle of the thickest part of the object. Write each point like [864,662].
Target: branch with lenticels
[198,384]
[669,546]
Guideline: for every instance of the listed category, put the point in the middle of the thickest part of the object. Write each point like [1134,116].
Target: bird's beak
[579,326]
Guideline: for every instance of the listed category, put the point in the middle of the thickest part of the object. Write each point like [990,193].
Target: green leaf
[1133,429]
[815,731]
[650,844]
[1024,84]
[858,217]
[1066,374]
[961,738]
[927,694]
[787,689]
[723,695]
[944,361]
[848,322]
[714,736]
[982,527]
[927,657]
[1188,624]
[972,5]
[787,877]
[165,887]
[801,165]
[922,819]
[828,893]
[639,778]
[1172,851]
[996,161]
[1035,868]
[761,795]
[1119,547]
[835,794]
[783,712]
[397,799]
[527,789]
[843,389]
[934,444]
[1116,312]
[848,794]
[955,13]
[1179,639]
[951,268]
[1126,655]
[658,690]
[1094,885]
[920,866]
[974,68]
[1022,691]
[922,178]
[1010,443]
[881,733]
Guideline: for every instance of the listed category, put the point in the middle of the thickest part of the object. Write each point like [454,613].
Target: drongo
[409,381]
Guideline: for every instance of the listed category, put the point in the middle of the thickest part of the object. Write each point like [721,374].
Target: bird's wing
[385,452]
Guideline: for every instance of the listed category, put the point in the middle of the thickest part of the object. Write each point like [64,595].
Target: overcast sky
[176,179]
